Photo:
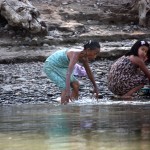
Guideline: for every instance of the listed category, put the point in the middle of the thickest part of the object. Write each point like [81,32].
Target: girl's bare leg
[75,90]
[74,94]
[129,94]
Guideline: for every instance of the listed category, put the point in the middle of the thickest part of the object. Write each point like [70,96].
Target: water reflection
[87,127]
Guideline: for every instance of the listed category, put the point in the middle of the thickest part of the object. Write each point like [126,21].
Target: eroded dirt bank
[71,23]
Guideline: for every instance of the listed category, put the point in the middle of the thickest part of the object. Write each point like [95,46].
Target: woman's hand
[95,91]
[66,97]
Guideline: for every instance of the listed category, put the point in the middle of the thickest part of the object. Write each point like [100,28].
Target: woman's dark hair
[92,45]
[135,47]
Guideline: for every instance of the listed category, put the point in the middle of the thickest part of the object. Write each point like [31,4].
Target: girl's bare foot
[124,97]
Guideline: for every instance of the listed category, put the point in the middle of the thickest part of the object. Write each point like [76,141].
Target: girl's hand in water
[66,98]
[95,93]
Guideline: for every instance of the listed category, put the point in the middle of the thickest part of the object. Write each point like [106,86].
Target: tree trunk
[143,9]
[21,13]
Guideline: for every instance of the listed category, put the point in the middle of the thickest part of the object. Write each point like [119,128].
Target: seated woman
[129,73]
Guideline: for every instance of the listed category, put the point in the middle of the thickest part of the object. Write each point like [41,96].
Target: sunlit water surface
[82,125]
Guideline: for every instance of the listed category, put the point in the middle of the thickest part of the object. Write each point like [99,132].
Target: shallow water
[96,126]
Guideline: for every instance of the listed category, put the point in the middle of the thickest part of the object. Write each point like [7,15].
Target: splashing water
[106,101]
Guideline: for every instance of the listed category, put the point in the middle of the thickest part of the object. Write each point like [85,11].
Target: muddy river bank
[24,83]
[27,83]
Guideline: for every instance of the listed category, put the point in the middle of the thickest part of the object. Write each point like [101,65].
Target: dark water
[75,127]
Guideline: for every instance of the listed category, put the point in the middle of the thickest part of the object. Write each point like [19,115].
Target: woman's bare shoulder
[136,60]
[75,49]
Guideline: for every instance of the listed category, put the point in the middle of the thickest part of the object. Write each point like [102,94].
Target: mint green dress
[56,66]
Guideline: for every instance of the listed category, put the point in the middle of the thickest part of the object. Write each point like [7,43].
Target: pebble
[27,83]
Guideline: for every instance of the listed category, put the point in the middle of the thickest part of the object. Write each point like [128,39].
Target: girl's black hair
[92,45]
[135,47]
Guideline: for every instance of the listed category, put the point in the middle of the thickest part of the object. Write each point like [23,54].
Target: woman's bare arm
[139,62]
[90,74]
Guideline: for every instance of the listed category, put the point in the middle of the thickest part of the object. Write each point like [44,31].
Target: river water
[30,119]
[76,126]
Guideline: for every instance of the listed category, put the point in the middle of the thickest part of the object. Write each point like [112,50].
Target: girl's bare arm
[90,74]
[139,62]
